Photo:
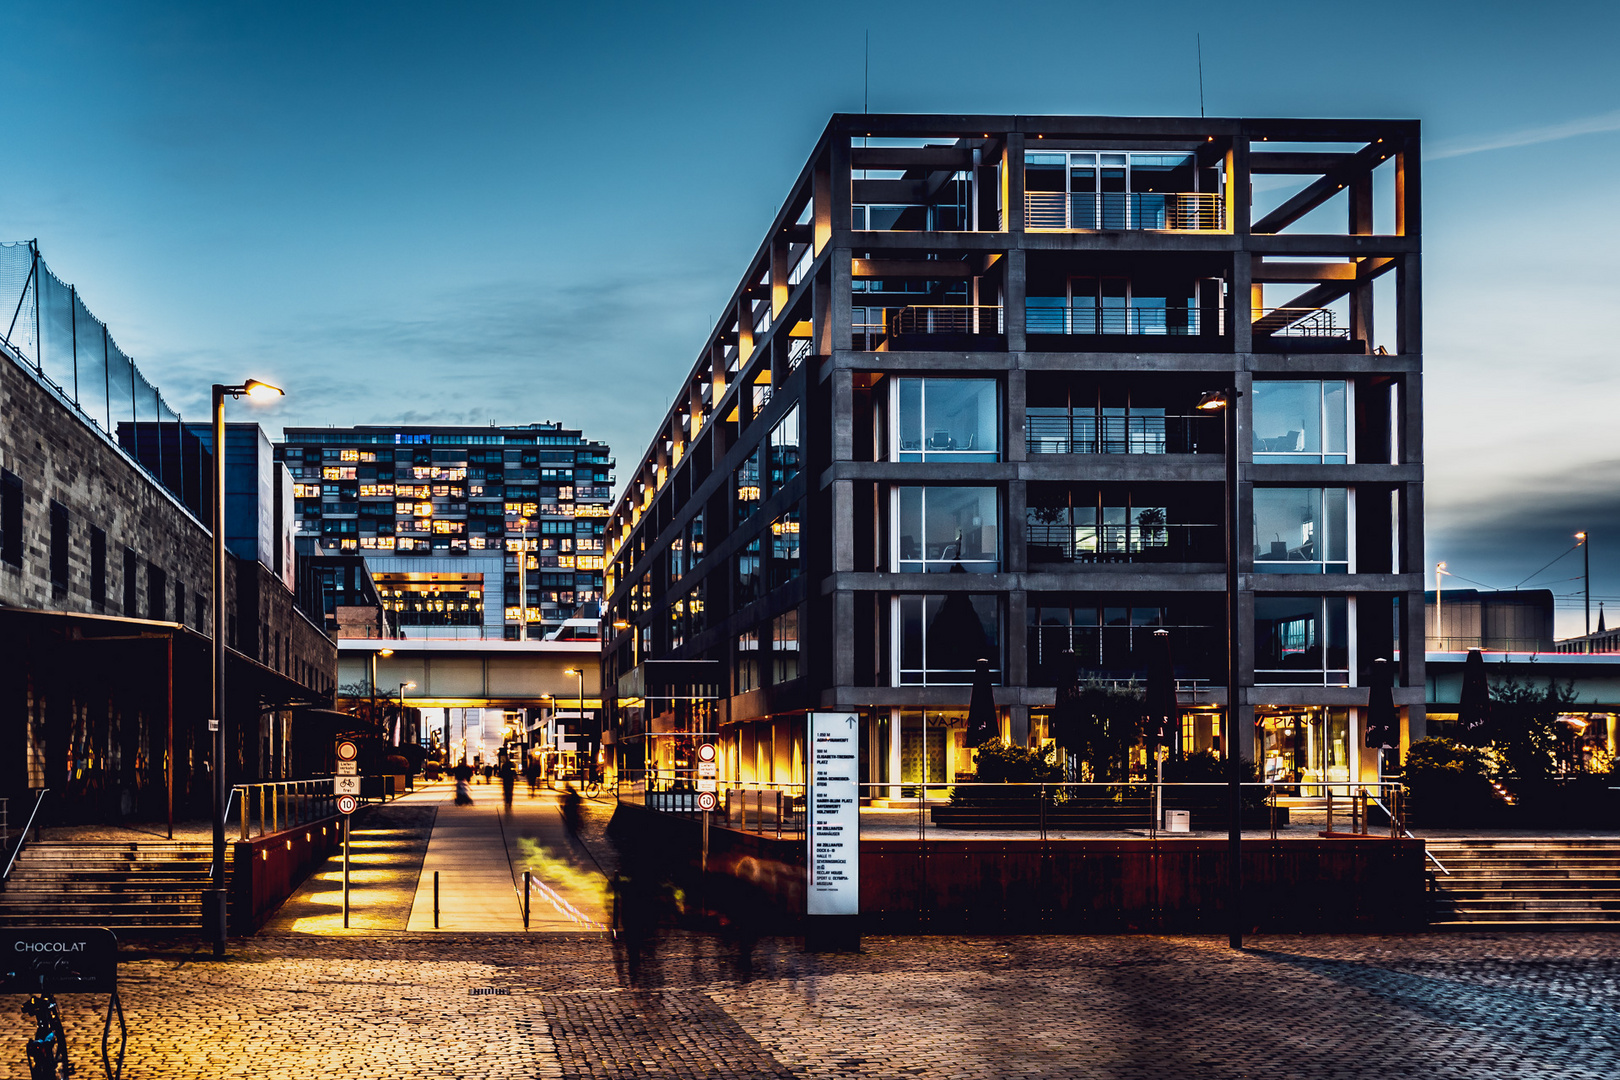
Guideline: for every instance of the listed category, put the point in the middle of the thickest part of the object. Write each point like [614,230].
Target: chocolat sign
[72,960]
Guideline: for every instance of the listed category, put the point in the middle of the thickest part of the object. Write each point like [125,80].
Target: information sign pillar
[833,834]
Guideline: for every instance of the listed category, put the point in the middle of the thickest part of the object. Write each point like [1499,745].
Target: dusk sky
[436,213]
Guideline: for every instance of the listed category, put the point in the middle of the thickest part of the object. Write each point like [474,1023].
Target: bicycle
[591,789]
[47,1050]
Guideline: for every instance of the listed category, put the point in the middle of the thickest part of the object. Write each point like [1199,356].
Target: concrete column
[1013,300]
[843,639]
[821,199]
[843,528]
[1243,302]
[1013,181]
[843,404]
[841,300]
[1361,224]
[1017,446]
[1409,305]
[779,275]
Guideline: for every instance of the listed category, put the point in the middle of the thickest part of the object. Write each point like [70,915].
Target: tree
[1525,731]
[1097,727]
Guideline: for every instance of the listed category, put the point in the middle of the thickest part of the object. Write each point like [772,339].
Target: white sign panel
[708,783]
[348,768]
[833,807]
[346,785]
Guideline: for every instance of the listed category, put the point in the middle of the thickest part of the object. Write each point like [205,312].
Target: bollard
[525,899]
[435,899]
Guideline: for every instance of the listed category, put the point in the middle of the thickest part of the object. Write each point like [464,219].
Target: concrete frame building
[440,513]
[950,412]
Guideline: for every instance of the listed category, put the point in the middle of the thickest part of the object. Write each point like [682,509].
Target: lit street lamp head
[262,391]
[1215,400]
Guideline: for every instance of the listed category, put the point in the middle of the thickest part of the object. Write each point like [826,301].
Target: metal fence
[45,323]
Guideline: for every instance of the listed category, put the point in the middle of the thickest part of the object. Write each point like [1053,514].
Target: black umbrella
[982,726]
[1474,708]
[1383,726]
[1161,690]
[1069,724]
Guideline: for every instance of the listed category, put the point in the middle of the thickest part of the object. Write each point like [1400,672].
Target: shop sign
[833,806]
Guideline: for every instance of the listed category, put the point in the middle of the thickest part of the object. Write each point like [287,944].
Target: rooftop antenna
[866,76]
[1199,38]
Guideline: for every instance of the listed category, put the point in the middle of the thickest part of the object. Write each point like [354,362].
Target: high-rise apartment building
[952,412]
[442,514]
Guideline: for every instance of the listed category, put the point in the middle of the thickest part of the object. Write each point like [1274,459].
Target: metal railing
[22,837]
[1088,433]
[1299,322]
[1464,642]
[1157,320]
[1185,542]
[1183,211]
[927,320]
[285,804]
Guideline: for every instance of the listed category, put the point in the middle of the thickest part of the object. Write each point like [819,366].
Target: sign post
[346,786]
[708,784]
[833,838]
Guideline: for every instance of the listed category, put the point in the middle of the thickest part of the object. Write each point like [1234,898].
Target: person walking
[508,782]
[463,774]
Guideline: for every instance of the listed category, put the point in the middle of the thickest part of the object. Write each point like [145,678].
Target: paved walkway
[479,854]
[386,1007]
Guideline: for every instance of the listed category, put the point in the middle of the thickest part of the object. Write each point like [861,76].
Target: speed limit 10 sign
[347,804]
[705,800]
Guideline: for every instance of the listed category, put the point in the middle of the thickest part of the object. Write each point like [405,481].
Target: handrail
[223,818]
[1167,211]
[1299,322]
[22,837]
[1083,320]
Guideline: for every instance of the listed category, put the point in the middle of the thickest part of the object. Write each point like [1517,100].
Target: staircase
[132,888]
[1525,884]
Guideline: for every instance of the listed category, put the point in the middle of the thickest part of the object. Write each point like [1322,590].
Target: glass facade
[1301,530]
[1301,420]
[1302,640]
[946,420]
[946,529]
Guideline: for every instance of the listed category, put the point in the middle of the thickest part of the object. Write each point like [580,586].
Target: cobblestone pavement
[306,1006]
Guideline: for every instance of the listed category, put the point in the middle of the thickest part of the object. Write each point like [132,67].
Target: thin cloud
[1533,136]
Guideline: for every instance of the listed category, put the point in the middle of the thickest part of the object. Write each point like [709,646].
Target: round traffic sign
[706,751]
[347,804]
[705,800]
[347,751]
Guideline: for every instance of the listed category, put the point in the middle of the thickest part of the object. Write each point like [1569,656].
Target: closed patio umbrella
[981,722]
[1161,691]
[1383,725]
[1474,708]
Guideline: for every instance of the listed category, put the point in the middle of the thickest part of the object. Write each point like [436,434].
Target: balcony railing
[1092,434]
[1161,320]
[1124,543]
[1300,322]
[1181,211]
[927,320]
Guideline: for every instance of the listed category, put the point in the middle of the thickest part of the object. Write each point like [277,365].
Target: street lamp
[580,672]
[399,725]
[1586,572]
[214,900]
[383,653]
[1225,401]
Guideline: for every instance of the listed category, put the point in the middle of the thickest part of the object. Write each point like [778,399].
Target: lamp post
[383,653]
[399,727]
[214,899]
[580,672]
[1225,402]
[1586,573]
[1439,635]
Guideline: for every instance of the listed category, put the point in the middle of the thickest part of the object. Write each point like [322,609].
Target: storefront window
[1306,746]
[1301,531]
[944,529]
[946,419]
[1302,640]
[1301,420]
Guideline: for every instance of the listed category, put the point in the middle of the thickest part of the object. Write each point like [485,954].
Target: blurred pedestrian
[463,774]
[508,782]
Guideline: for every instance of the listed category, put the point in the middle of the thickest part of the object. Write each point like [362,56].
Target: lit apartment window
[944,419]
[1302,640]
[1302,420]
[1302,530]
[785,647]
[942,529]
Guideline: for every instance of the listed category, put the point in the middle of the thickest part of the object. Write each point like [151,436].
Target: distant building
[1509,620]
[440,514]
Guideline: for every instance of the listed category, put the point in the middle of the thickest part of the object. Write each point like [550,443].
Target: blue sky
[516,212]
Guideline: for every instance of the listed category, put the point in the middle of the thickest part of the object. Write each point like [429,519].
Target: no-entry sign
[347,751]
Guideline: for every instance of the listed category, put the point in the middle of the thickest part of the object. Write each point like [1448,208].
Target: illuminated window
[423,509]
[349,455]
